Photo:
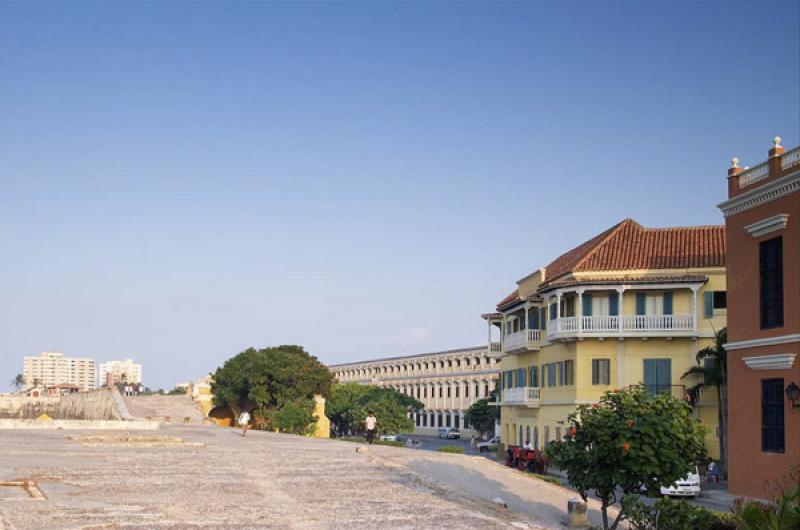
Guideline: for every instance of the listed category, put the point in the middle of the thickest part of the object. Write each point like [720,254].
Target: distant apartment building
[762,226]
[633,305]
[115,372]
[52,368]
[446,382]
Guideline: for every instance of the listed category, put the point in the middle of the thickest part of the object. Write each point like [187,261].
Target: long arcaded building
[446,382]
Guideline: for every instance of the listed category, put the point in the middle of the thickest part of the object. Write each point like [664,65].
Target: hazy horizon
[183,181]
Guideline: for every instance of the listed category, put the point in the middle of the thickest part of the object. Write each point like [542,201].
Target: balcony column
[694,310]
[620,291]
[579,310]
[527,306]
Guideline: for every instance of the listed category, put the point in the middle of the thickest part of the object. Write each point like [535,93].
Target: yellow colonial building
[631,305]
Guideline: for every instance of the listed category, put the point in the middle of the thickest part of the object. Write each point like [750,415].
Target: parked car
[488,445]
[388,438]
[688,486]
[451,433]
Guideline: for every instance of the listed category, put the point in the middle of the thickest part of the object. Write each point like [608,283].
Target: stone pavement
[193,477]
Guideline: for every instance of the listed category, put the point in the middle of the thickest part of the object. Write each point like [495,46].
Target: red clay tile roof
[511,298]
[629,245]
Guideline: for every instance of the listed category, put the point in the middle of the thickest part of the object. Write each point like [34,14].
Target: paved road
[433,443]
[713,497]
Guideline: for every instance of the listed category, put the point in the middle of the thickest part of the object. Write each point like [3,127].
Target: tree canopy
[349,403]
[267,380]
[482,416]
[629,440]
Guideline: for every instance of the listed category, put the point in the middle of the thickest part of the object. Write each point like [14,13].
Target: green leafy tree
[482,416]
[18,382]
[293,417]
[264,381]
[349,403]
[177,391]
[629,440]
[711,373]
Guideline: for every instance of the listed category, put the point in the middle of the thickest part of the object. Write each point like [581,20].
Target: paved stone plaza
[210,477]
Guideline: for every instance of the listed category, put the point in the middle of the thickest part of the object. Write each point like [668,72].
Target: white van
[688,486]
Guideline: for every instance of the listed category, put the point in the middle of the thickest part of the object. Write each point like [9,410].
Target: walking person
[713,473]
[370,423]
[244,421]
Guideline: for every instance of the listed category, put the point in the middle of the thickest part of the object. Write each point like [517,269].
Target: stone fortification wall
[94,405]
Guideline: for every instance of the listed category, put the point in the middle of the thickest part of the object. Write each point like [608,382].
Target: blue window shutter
[708,304]
[613,304]
[587,305]
[553,311]
[533,318]
[650,378]
[664,373]
[668,303]
[641,299]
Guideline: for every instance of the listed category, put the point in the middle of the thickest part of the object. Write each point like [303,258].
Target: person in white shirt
[527,445]
[244,421]
[370,423]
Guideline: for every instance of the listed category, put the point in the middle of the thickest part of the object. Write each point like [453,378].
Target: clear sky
[181,181]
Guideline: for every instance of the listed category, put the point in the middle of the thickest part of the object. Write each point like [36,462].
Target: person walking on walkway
[244,421]
[713,473]
[370,423]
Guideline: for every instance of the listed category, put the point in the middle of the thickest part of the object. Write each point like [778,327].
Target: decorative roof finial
[734,162]
[776,141]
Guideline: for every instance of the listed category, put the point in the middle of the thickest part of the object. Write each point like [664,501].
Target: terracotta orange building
[762,227]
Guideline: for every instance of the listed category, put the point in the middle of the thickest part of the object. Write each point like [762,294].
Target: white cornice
[780,361]
[762,194]
[768,225]
[769,341]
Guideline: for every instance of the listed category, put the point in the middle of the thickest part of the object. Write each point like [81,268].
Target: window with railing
[658,375]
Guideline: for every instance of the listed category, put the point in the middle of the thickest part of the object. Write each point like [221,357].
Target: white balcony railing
[521,339]
[600,323]
[524,395]
[494,347]
[658,322]
[608,324]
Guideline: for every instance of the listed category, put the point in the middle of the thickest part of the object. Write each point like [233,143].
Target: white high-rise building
[52,368]
[126,371]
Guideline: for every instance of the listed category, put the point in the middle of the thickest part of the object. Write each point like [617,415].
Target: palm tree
[712,371]
[18,382]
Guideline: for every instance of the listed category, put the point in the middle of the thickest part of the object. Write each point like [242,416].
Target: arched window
[536,437]
[528,433]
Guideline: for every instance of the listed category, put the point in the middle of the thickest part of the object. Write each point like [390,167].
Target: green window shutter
[641,300]
[587,305]
[613,304]
[668,303]
[708,304]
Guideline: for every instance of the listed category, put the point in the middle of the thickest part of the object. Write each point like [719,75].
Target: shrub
[456,449]
[667,514]
[546,478]
[389,442]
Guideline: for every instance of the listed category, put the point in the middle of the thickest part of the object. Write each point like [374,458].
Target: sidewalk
[712,496]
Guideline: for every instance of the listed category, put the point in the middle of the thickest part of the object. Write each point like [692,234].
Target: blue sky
[181,181]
